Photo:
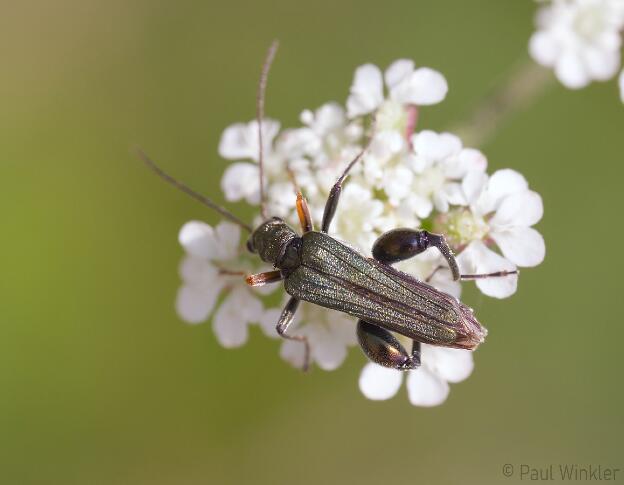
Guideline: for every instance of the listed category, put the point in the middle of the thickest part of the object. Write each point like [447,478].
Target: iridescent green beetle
[319,269]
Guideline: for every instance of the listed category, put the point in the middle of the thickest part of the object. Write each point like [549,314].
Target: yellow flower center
[460,226]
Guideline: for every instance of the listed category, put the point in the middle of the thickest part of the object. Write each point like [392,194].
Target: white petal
[366,91]
[268,322]
[421,206]
[293,352]
[294,143]
[306,117]
[426,389]
[602,65]
[610,40]
[230,321]
[328,352]
[270,129]
[467,160]
[473,184]
[502,287]
[523,246]
[342,328]
[385,144]
[230,332]
[398,72]
[424,87]
[543,48]
[379,383]
[478,259]
[436,146]
[198,239]
[240,141]
[198,272]
[240,181]
[247,304]
[471,159]
[228,233]
[235,143]
[328,118]
[440,202]
[417,163]
[443,281]
[453,193]
[429,86]
[397,182]
[621,83]
[451,365]
[228,236]
[571,71]
[501,184]
[505,182]
[518,210]
[194,304]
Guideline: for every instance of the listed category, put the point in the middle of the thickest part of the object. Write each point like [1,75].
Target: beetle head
[274,240]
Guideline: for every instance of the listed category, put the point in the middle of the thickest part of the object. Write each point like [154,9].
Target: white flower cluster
[580,40]
[407,178]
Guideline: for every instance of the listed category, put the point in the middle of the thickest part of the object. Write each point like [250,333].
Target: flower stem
[519,89]
[412,121]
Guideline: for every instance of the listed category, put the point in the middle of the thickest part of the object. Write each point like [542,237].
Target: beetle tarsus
[286,318]
[496,274]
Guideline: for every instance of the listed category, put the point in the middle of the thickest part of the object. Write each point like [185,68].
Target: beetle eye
[250,245]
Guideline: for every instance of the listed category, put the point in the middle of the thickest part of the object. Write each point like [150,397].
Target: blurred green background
[103,384]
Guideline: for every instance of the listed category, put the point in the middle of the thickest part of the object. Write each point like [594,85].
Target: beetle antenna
[372,132]
[293,179]
[261,95]
[187,190]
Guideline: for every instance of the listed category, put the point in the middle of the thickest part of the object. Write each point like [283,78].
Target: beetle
[317,268]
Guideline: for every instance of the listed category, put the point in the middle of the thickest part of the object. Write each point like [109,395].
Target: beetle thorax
[277,243]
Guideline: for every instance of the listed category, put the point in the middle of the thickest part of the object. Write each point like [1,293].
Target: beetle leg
[416,353]
[331,205]
[496,274]
[399,244]
[261,279]
[304,214]
[285,319]
[383,348]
